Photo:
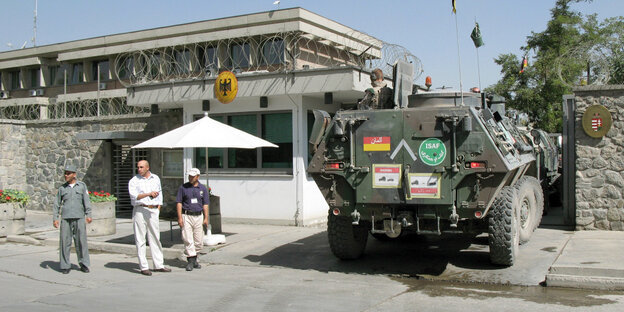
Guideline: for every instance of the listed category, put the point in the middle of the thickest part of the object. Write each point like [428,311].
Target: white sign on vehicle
[424,185]
[386,176]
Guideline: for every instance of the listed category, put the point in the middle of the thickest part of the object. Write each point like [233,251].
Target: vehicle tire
[531,201]
[503,235]
[347,241]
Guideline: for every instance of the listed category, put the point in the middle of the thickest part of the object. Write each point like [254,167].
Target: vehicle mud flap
[503,231]
[347,241]
[531,201]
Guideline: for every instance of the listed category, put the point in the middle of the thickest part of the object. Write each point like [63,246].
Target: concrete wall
[600,162]
[12,155]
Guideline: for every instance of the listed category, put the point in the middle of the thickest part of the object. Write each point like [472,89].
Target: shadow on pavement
[54,265]
[131,267]
[410,255]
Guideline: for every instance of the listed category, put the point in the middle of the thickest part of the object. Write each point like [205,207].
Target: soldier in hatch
[379,96]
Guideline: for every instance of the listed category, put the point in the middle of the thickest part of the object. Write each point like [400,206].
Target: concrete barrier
[104,219]
[12,219]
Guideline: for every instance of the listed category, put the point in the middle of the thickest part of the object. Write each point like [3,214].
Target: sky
[427,28]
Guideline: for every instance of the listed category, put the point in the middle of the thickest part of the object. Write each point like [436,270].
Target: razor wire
[595,56]
[281,52]
[59,111]
[106,107]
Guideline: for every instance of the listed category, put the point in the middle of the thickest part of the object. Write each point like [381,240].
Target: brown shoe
[146,272]
[163,269]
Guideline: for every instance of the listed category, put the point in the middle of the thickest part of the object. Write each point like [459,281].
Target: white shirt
[139,185]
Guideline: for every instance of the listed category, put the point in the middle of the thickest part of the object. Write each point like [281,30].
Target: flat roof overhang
[347,84]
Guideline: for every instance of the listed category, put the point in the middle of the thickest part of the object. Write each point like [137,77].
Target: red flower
[107,194]
[8,198]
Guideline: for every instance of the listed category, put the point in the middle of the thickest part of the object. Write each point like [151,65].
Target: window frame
[166,173]
[258,170]
[268,59]
[81,78]
[14,84]
[245,52]
[104,75]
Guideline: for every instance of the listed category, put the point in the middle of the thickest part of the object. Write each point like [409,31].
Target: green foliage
[570,51]
[13,196]
[101,196]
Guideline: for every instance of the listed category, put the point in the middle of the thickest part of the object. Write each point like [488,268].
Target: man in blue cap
[72,204]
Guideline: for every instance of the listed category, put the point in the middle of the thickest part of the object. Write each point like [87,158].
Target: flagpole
[478,68]
[461,86]
[478,63]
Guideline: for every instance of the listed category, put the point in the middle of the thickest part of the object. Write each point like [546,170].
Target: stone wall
[50,145]
[600,162]
[12,155]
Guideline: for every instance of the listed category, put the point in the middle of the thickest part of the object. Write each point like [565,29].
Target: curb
[585,282]
[587,278]
[23,239]
[130,250]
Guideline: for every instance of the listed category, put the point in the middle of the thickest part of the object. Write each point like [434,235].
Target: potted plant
[102,213]
[12,212]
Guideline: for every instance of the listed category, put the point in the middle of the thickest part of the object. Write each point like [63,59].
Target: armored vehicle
[442,163]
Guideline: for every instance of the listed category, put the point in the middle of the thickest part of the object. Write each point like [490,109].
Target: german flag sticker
[376,144]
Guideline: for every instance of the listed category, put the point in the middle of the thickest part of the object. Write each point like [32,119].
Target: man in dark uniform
[73,204]
[192,201]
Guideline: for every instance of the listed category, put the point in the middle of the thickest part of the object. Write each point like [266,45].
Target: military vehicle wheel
[347,241]
[531,200]
[503,230]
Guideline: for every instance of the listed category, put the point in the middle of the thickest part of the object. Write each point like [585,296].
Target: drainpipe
[298,191]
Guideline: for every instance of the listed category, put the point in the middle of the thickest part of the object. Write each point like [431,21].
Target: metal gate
[124,168]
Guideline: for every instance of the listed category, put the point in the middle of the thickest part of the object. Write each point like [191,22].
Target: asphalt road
[273,271]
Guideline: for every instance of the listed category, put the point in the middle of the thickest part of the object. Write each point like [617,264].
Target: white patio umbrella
[205,132]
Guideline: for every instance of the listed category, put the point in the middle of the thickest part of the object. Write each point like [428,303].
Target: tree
[573,49]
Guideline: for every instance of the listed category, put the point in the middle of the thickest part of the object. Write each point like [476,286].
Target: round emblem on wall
[597,121]
[432,151]
[226,87]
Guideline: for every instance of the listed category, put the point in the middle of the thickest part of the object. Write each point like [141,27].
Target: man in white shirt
[146,197]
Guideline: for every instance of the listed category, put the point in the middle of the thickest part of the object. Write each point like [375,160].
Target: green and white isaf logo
[432,151]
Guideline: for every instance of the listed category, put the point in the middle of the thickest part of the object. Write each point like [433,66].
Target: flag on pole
[476,36]
[454,6]
[525,64]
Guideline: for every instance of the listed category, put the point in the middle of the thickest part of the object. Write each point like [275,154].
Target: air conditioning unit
[4,94]
[32,92]
[102,86]
[39,92]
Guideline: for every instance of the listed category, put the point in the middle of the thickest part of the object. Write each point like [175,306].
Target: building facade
[89,101]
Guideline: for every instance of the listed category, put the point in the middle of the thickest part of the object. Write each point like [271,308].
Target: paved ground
[258,281]
[552,257]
